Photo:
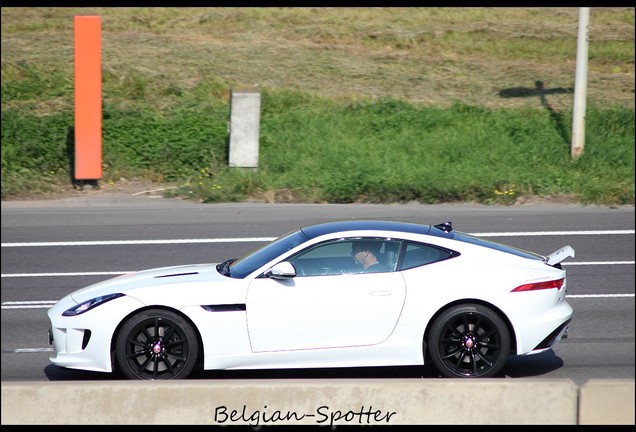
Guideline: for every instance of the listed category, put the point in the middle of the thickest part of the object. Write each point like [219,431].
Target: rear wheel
[469,341]
[156,345]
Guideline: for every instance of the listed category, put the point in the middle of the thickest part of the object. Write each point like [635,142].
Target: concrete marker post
[244,127]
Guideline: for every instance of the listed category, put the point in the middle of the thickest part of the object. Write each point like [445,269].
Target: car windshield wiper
[224,267]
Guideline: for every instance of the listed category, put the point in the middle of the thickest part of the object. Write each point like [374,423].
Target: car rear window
[417,254]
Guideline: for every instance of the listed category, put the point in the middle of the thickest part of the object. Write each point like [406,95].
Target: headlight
[90,304]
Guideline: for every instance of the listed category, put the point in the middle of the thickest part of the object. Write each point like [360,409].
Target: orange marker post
[88,98]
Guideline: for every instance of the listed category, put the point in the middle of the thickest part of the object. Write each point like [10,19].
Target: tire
[156,345]
[469,341]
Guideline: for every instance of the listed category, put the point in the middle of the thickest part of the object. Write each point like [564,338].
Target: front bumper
[84,341]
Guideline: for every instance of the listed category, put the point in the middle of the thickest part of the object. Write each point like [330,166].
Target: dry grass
[486,56]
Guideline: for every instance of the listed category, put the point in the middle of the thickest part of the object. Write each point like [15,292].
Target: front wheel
[156,345]
[469,341]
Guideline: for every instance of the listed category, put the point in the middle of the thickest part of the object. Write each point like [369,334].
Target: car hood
[145,279]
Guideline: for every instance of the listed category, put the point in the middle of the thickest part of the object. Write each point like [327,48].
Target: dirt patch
[126,187]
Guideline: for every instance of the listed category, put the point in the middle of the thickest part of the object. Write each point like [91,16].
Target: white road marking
[49,303]
[45,304]
[266,239]
[117,273]
[551,233]
[140,242]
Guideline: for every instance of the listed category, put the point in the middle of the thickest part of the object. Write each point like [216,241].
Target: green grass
[358,104]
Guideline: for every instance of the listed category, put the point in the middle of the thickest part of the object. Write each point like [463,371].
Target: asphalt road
[50,248]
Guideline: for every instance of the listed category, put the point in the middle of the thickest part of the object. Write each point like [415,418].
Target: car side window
[329,258]
[335,257]
[418,254]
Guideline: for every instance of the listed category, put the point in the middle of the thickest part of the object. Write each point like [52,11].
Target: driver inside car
[366,253]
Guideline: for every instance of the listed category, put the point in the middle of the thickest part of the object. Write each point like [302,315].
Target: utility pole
[580,85]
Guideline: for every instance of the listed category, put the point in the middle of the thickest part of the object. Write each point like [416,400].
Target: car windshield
[256,259]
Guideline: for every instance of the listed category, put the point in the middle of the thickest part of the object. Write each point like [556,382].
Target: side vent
[225,307]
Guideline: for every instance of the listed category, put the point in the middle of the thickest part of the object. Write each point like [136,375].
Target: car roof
[444,229]
[313,231]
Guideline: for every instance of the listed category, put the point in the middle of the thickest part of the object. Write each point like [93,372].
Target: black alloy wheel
[156,345]
[469,341]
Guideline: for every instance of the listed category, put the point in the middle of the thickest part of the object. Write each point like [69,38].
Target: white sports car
[311,299]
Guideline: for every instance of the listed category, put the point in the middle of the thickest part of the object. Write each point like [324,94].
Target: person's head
[365,252]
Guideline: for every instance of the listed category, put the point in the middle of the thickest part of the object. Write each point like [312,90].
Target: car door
[328,308]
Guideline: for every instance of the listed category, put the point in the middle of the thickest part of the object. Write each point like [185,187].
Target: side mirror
[282,270]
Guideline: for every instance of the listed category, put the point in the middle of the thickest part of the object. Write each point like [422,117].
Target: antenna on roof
[446,226]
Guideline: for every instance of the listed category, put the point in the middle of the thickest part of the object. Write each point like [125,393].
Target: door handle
[380,293]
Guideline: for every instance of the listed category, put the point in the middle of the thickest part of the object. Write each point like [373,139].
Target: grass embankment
[373,104]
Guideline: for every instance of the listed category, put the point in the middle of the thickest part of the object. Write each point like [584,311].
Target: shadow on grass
[70,152]
[541,92]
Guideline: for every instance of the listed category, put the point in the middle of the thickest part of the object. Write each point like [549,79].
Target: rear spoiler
[557,256]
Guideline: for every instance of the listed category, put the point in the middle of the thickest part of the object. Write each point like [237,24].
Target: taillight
[540,285]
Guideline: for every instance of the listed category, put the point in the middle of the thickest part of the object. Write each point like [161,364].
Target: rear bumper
[561,332]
